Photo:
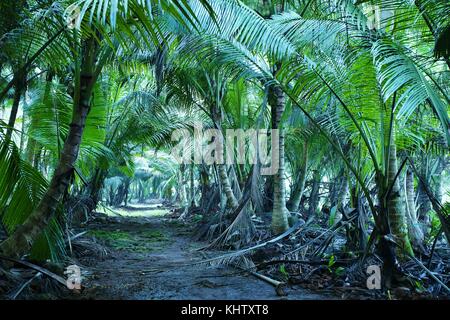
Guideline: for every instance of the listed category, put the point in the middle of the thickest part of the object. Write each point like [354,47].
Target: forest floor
[144,252]
[150,256]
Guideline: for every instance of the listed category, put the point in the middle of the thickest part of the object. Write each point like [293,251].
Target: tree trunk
[280,213]
[192,186]
[18,90]
[299,187]
[394,204]
[386,248]
[342,192]
[183,191]
[232,202]
[94,188]
[339,190]
[314,195]
[127,190]
[415,231]
[438,183]
[121,194]
[423,208]
[205,187]
[141,191]
[21,240]
[268,194]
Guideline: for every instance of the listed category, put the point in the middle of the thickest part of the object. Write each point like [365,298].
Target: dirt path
[152,258]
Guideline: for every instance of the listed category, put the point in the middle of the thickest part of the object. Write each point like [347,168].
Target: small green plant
[337,271]
[419,286]
[332,217]
[284,272]
[435,225]
[331,262]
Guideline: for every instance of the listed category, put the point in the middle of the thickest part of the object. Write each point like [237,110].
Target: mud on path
[154,258]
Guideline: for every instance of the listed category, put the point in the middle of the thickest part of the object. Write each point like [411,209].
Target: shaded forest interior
[224,149]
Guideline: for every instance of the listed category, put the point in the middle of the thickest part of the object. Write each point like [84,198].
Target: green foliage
[331,266]
[332,217]
[331,262]
[419,286]
[435,225]
[284,272]
[21,188]
[140,241]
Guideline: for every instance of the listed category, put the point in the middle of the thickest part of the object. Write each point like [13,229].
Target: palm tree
[359,99]
[280,214]
[89,61]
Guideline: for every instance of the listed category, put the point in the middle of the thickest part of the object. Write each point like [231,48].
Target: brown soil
[158,261]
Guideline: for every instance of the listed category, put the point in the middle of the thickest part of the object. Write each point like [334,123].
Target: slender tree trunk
[22,135]
[21,240]
[438,179]
[121,193]
[111,195]
[423,208]
[184,193]
[356,233]
[117,196]
[415,231]
[394,204]
[280,214]
[18,90]
[127,190]
[299,187]
[314,195]
[232,202]
[339,190]
[343,190]
[424,204]
[334,192]
[192,189]
[268,194]
[94,188]
[141,191]
[205,187]
[361,226]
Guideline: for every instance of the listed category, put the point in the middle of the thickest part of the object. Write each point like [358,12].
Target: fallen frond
[233,255]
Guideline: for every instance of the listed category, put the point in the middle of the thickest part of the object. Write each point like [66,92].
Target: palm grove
[91,92]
